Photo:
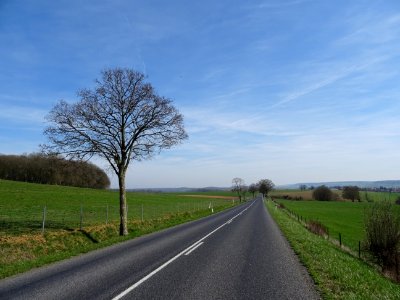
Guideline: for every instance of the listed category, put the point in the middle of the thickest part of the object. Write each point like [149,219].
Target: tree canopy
[51,169]
[265,186]
[323,193]
[351,192]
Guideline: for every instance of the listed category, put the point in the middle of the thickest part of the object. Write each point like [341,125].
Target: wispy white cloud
[22,114]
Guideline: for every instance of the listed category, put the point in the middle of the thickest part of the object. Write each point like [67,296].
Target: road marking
[194,248]
[188,249]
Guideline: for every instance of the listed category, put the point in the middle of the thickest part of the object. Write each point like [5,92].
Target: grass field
[22,206]
[24,246]
[337,274]
[346,218]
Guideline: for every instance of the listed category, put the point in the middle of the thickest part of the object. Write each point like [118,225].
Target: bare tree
[303,187]
[238,186]
[120,120]
[265,186]
[253,189]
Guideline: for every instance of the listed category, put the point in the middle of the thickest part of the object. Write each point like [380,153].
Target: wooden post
[107,214]
[44,218]
[81,218]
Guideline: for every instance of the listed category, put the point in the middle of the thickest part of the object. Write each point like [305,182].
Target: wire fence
[352,247]
[41,218]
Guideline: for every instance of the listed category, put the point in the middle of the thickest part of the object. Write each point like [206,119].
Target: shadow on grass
[89,236]
[30,226]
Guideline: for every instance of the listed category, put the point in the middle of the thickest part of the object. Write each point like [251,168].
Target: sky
[290,90]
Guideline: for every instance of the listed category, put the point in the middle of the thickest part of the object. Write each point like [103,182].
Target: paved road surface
[237,254]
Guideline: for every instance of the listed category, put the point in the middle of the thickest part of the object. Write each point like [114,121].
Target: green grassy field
[346,218]
[25,246]
[22,206]
[336,274]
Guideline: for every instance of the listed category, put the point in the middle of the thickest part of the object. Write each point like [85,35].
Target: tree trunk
[123,225]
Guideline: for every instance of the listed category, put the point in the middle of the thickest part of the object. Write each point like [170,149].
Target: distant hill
[389,184]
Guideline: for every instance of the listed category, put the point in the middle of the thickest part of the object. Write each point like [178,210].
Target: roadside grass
[337,274]
[23,246]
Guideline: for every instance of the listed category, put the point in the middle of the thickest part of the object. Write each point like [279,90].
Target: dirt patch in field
[212,197]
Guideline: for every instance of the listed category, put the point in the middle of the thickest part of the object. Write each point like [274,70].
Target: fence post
[44,218]
[81,218]
[142,212]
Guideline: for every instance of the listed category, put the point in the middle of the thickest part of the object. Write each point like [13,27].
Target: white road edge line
[191,250]
[188,249]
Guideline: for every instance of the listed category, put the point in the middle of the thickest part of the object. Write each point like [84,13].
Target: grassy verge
[337,274]
[19,253]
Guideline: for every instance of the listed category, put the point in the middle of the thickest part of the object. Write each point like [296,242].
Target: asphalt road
[236,254]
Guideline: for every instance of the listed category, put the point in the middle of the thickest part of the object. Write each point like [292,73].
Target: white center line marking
[188,249]
[191,250]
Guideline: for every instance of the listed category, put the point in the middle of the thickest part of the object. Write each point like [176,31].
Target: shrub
[382,235]
[323,193]
[351,192]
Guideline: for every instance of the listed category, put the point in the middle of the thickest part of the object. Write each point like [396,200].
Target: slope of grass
[337,274]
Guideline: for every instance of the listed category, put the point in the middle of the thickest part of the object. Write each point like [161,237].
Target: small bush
[382,235]
[323,193]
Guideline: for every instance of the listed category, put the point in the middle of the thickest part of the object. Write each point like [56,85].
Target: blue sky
[291,90]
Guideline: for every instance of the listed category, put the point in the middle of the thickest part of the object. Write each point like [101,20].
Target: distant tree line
[52,169]
[263,186]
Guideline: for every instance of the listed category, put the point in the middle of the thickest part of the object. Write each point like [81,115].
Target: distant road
[236,254]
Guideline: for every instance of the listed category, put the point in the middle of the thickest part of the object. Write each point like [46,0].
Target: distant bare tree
[253,189]
[120,120]
[303,187]
[237,186]
[245,189]
[265,186]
